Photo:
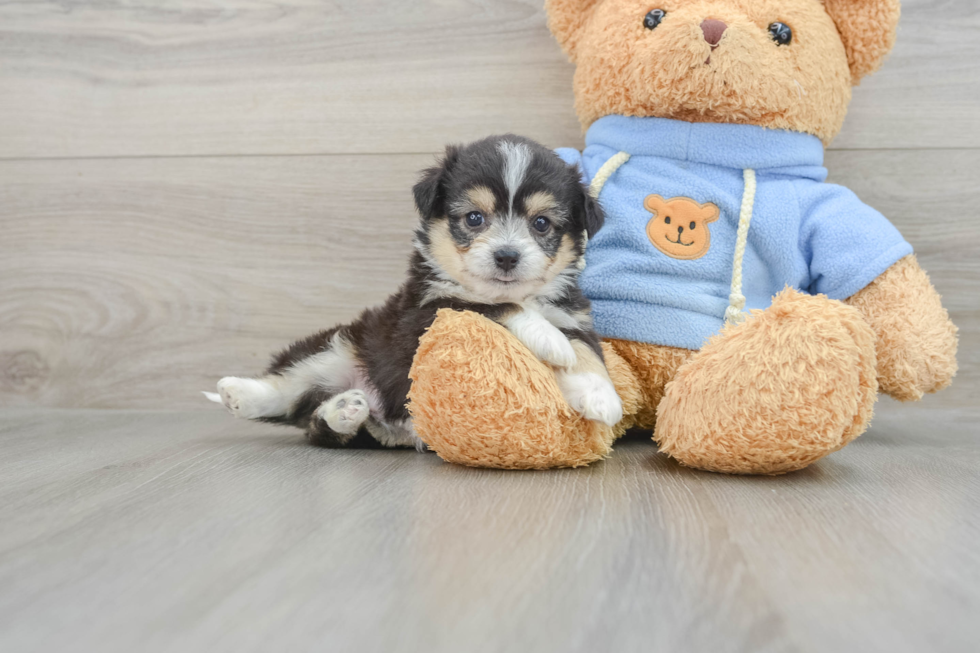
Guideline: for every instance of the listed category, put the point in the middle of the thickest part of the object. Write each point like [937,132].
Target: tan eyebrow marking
[482,198]
[539,202]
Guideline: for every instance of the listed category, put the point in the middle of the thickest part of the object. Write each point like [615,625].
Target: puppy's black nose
[680,230]
[506,259]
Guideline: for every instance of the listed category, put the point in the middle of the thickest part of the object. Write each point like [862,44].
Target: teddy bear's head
[783,64]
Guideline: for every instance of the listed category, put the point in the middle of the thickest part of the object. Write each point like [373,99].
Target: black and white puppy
[504,223]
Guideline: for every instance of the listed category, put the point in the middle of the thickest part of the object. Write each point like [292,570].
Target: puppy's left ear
[594,217]
[430,195]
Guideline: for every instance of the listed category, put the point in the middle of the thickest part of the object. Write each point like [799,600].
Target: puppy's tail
[212,396]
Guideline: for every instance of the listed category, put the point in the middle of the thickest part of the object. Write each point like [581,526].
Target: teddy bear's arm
[916,341]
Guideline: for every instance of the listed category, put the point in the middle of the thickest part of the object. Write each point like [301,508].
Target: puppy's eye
[692,226]
[654,18]
[780,33]
[541,223]
[667,220]
[474,219]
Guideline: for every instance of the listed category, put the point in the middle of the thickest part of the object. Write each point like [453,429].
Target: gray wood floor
[151,531]
[185,186]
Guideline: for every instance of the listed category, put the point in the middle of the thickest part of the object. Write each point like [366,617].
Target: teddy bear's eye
[780,33]
[652,19]
[692,226]
[667,220]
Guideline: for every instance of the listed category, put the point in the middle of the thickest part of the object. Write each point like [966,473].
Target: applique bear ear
[566,20]
[867,28]
[709,212]
[654,204]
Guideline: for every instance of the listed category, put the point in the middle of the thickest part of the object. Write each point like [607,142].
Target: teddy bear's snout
[713,29]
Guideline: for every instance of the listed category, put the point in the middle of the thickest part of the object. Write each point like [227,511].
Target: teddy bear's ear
[566,19]
[867,28]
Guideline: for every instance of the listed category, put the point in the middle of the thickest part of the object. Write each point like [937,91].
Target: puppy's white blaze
[591,395]
[542,337]
[251,398]
[517,158]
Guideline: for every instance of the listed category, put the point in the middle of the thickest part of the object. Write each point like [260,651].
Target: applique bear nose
[713,29]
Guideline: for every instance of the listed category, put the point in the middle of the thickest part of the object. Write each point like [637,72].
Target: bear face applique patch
[679,226]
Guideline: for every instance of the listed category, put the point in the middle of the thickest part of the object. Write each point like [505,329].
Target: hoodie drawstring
[736,300]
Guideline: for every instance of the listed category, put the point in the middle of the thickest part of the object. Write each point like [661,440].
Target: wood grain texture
[187,186]
[125,279]
[158,531]
[299,76]
[137,283]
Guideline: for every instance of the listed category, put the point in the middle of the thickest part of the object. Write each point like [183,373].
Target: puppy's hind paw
[593,396]
[248,398]
[346,412]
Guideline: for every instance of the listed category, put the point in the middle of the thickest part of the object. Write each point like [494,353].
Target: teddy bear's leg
[654,366]
[775,393]
[480,398]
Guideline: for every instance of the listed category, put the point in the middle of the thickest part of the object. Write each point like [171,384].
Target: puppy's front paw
[346,412]
[543,338]
[551,346]
[248,398]
[593,396]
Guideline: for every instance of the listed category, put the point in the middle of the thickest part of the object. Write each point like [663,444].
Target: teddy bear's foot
[480,398]
[775,393]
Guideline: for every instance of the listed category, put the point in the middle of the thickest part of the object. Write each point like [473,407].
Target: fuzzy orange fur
[793,382]
[653,366]
[742,405]
[916,341]
[482,399]
[623,68]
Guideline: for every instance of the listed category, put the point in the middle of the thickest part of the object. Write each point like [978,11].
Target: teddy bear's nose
[713,29]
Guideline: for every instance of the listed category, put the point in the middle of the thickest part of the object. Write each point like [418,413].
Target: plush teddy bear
[751,311]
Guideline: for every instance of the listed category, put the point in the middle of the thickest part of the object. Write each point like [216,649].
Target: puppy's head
[504,218]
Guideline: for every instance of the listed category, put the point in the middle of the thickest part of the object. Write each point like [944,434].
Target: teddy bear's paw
[593,396]
[916,341]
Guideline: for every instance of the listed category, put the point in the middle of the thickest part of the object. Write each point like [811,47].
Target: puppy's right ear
[430,192]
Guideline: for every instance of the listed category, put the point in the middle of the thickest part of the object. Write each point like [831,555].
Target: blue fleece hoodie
[804,233]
